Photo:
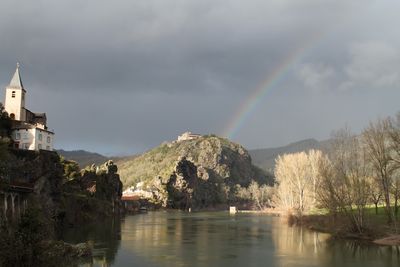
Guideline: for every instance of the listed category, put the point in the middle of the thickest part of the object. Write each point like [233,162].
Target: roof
[20,125]
[16,81]
[23,126]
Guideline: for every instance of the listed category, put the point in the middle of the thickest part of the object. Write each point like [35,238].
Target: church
[29,129]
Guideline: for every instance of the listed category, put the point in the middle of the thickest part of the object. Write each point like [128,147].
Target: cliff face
[62,199]
[42,170]
[94,193]
[195,173]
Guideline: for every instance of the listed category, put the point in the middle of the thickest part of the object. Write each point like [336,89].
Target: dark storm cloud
[122,76]
[157,45]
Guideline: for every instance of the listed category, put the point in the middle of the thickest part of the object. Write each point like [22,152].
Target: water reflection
[296,246]
[197,239]
[352,253]
[105,236]
[163,239]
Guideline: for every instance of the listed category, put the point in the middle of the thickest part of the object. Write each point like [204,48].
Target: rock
[83,250]
[198,173]
[215,155]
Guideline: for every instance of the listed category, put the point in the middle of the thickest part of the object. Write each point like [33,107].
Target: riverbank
[375,231]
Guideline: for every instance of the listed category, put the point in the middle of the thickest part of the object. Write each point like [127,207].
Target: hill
[217,156]
[206,168]
[265,158]
[83,158]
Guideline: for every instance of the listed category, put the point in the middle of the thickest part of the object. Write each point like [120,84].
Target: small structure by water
[232,210]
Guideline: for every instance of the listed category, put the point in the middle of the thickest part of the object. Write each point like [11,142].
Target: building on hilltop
[188,136]
[29,129]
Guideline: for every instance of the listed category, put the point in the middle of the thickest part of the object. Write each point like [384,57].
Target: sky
[120,77]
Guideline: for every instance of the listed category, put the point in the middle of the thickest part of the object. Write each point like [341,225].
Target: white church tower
[29,129]
[15,98]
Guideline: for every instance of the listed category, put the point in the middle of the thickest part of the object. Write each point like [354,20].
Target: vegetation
[199,173]
[71,168]
[353,178]
[19,245]
[226,159]
[298,179]
[256,196]
[5,122]
[5,130]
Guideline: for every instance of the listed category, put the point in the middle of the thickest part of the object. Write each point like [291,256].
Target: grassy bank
[377,229]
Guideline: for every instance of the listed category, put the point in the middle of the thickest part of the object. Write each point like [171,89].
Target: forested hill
[265,158]
[213,156]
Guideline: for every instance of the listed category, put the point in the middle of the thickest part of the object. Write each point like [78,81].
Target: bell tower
[14,103]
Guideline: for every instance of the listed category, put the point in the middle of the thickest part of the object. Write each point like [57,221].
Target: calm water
[160,239]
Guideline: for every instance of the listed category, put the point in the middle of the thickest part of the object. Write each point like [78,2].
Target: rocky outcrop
[189,187]
[95,193]
[64,198]
[197,173]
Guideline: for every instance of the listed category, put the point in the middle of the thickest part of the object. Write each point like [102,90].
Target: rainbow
[271,81]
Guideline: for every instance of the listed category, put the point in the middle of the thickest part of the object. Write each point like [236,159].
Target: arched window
[13,94]
[12,116]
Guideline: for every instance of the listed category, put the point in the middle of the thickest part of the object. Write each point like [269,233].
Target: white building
[29,130]
[188,136]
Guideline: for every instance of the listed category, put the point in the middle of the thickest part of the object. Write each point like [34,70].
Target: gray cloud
[122,76]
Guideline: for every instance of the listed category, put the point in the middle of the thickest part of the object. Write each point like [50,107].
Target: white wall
[33,139]
[15,105]
[46,140]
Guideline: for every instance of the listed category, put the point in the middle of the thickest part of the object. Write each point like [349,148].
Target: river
[164,239]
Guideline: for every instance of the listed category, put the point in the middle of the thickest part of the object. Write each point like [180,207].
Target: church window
[48,139]
[17,136]
[40,137]
[25,146]
[13,94]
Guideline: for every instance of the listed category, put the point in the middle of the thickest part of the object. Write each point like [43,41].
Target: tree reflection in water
[105,235]
[163,239]
[296,246]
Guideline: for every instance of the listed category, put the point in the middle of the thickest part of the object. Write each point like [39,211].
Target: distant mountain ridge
[83,158]
[265,158]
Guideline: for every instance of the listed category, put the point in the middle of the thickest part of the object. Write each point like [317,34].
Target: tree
[375,192]
[5,123]
[298,178]
[378,150]
[344,186]
[394,145]
[395,191]
[260,195]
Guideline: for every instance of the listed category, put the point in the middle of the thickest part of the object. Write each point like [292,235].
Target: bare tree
[395,191]
[260,195]
[344,187]
[298,178]
[315,157]
[378,150]
[394,144]
[375,192]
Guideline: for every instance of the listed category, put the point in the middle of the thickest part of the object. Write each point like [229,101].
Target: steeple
[16,80]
